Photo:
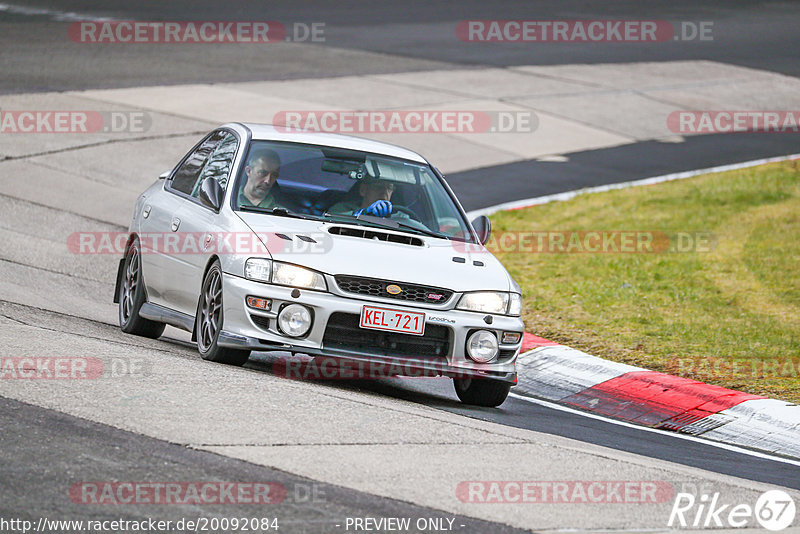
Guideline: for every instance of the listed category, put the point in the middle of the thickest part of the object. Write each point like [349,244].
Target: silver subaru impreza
[344,249]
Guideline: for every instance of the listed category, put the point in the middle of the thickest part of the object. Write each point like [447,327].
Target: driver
[376,196]
[261,189]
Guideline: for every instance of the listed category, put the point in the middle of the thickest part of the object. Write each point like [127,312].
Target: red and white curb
[573,378]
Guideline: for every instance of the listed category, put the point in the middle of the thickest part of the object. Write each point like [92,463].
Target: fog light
[294,320]
[259,303]
[482,346]
[511,337]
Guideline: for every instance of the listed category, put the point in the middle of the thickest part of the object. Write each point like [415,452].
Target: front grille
[374,287]
[343,332]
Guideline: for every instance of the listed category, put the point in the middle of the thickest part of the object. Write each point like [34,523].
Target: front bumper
[252,329]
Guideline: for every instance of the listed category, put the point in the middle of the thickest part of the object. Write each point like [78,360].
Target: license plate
[392,320]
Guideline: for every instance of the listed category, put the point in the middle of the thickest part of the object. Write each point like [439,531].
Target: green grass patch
[726,311]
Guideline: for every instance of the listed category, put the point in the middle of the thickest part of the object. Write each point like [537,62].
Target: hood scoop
[364,233]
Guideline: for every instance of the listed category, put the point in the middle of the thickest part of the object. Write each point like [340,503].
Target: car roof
[268,132]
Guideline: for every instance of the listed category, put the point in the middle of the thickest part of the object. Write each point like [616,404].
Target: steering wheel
[407,211]
[413,218]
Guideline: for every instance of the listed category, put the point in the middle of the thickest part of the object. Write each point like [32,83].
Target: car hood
[432,263]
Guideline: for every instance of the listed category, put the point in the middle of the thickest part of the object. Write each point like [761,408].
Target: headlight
[285,274]
[484,302]
[497,302]
[258,269]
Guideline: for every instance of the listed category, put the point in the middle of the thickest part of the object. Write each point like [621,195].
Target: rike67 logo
[774,510]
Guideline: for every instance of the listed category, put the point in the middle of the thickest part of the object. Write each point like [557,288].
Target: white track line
[720,445]
[52,14]
[517,204]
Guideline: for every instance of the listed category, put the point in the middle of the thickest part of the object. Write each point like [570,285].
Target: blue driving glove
[379,208]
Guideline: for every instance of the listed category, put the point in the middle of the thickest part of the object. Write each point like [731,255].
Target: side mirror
[483,227]
[164,175]
[211,193]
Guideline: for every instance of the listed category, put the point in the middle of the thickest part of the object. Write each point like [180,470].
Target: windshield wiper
[422,230]
[281,212]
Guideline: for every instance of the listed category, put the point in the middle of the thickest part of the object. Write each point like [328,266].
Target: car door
[158,210]
[162,259]
[200,224]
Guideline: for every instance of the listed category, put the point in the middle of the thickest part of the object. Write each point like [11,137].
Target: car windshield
[328,183]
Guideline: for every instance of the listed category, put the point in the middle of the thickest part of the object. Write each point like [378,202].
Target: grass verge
[711,292]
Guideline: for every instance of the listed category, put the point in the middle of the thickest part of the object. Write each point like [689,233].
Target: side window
[218,165]
[185,178]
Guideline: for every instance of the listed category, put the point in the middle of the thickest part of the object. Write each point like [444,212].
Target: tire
[481,391]
[131,297]
[209,321]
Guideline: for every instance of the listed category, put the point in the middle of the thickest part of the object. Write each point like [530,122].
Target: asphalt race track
[376,37]
[340,449]
[613,165]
